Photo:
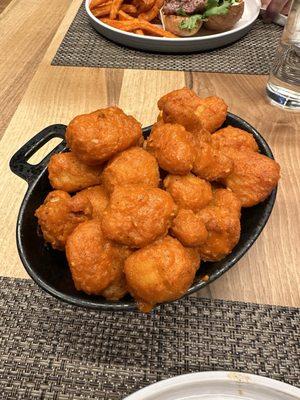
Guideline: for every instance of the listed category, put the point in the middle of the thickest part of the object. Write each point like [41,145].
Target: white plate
[182,45]
[218,386]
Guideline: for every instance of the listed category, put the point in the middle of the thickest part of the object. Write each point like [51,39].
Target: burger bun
[222,23]
[172,23]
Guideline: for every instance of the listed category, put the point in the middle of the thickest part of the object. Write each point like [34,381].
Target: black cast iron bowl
[49,269]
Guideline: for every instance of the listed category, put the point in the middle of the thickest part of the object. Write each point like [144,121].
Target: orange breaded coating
[189,228]
[68,173]
[180,110]
[212,112]
[97,136]
[253,177]
[211,164]
[118,288]
[189,191]
[59,215]
[194,257]
[137,215]
[179,107]
[93,261]
[233,138]
[134,165]
[160,272]
[184,115]
[173,148]
[225,198]
[184,107]
[98,198]
[202,136]
[222,220]
[224,228]
[184,96]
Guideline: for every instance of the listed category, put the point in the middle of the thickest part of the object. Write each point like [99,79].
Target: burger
[186,17]
[226,19]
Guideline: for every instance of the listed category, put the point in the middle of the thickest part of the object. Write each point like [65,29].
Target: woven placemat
[50,350]
[84,47]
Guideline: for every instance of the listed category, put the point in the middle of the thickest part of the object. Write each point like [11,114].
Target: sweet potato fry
[129,8]
[139,32]
[103,10]
[115,8]
[123,25]
[153,12]
[123,16]
[134,24]
[96,3]
[143,5]
[155,30]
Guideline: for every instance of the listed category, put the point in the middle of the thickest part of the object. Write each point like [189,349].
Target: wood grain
[4,4]
[269,272]
[26,29]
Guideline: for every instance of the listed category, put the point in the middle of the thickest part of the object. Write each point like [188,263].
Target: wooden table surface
[34,94]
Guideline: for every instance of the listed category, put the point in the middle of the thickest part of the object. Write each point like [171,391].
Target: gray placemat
[84,47]
[50,350]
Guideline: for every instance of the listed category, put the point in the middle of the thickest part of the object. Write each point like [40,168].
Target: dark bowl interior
[49,269]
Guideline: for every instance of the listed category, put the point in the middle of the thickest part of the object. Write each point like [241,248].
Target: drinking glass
[283,87]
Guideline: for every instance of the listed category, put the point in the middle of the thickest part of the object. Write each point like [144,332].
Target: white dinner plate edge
[215,376]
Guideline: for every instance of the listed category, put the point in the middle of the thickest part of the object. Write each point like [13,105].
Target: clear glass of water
[283,87]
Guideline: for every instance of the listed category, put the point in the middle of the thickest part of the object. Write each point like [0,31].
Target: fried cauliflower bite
[134,165]
[224,228]
[173,147]
[183,106]
[179,107]
[222,221]
[184,96]
[162,271]
[189,228]
[59,215]
[194,257]
[137,215]
[118,288]
[225,198]
[233,138]
[97,136]
[212,112]
[176,111]
[98,199]
[94,262]
[189,191]
[253,177]
[211,164]
[68,173]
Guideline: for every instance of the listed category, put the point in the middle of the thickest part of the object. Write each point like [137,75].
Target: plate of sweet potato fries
[172,26]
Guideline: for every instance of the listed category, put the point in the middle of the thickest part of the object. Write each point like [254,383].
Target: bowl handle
[18,163]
